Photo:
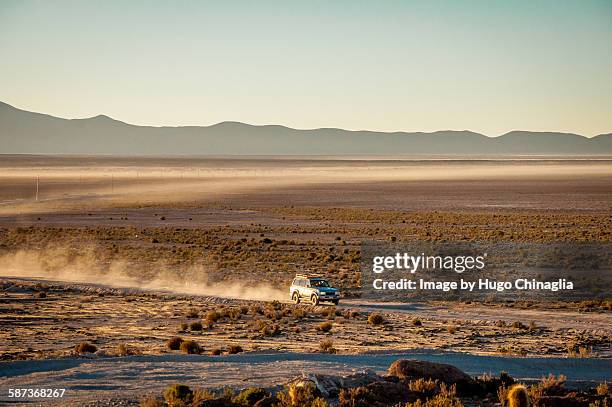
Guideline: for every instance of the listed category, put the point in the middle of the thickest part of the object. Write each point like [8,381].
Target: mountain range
[24,132]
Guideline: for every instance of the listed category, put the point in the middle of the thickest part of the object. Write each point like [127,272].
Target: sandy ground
[99,381]
[144,319]
[70,183]
[122,251]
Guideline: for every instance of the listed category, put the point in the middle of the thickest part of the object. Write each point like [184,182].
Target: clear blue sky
[487,66]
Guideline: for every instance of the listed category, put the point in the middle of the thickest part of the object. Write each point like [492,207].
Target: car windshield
[319,283]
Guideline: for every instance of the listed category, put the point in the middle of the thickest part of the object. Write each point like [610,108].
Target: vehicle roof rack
[301,275]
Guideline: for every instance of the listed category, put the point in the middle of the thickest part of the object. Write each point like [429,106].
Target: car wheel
[296,298]
[315,300]
[335,302]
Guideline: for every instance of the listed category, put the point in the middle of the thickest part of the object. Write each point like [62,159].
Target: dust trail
[102,182]
[62,264]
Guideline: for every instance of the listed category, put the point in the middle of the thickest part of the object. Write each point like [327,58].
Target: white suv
[313,288]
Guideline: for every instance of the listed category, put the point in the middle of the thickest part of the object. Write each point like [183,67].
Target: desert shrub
[190,347]
[250,396]
[299,396]
[272,314]
[85,347]
[532,326]
[547,386]
[178,395]
[192,313]
[584,352]
[451,329]
[329,312]
[174,343]
[447,397]
[502,395]
[212,317]
[184,327]
[350,314]
[376,319]
[325,327]
[233,349]
[195,326]
[427,387]
[265,328]
[488,383]
[417,322]
[235,313]
[244,309]
[500,385]
[216,352]
[125,350]
[518,325]
[151,401]
[517,396]
[298,313]
[200,395]
[256,310]
[506,379]
[327,346]
[258,325]
[354,397]
[602,389]
[272,330]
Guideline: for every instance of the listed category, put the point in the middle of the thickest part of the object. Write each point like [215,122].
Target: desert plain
[104,261]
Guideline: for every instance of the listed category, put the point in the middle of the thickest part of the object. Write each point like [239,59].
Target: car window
[319,283]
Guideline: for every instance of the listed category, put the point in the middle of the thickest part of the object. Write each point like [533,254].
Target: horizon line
[105,116]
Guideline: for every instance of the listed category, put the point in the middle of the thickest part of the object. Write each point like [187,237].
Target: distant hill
[23,132]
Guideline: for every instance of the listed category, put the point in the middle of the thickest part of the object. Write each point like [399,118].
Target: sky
[486,66]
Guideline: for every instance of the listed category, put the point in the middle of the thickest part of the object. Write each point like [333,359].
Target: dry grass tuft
[190,347]
[126,350]
[178,395]
[518,396]
[327,346]
[325,327]
[233,349]
[196,326]
[174,343]
[376,319]
[85,347]
[299,396]
[427,387]
[602,389]
[192,313]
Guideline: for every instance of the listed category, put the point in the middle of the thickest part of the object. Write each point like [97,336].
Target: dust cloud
[62,264]
[40,189]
